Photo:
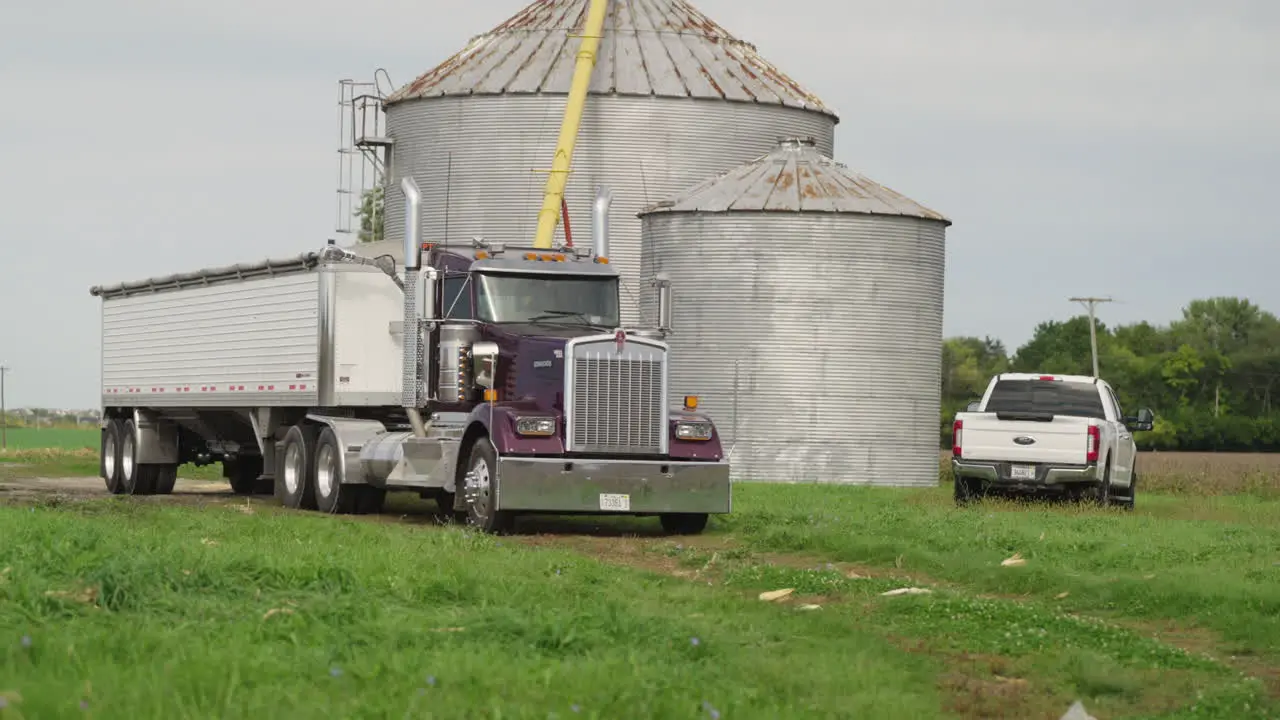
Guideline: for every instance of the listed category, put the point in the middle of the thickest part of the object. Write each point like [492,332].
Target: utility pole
[1090,303]
[4,413]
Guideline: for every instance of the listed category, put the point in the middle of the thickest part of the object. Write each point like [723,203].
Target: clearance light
[490,395]
[482,255]
[690,402]
[531,256]
[559,258]
[602,260]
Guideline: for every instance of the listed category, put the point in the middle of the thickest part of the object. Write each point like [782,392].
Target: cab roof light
[602,260]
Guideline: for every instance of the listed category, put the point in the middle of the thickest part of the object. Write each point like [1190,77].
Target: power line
[1090,303]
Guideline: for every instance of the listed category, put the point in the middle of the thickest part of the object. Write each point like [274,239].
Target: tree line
[1210,376]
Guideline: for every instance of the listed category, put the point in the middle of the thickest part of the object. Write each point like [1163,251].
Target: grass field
[60,438]
[211,606]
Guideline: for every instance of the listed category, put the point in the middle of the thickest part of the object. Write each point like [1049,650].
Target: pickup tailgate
[1008,437]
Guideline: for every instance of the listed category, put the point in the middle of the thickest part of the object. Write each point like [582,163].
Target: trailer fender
[352,436]
[156,441]
[498,421]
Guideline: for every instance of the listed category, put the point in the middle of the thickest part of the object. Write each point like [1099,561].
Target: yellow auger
[549,217]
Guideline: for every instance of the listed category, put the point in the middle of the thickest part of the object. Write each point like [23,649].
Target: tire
[1129,502]
[334,497]
[684,523]
[965,490]
[133,479]
[1101,495]
[479,482]
[109,461]
[243,475]
[160,478]
[295,482]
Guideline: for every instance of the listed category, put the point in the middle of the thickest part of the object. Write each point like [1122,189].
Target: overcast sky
[1124,148]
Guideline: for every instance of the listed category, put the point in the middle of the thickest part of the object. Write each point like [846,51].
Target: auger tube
[559,175]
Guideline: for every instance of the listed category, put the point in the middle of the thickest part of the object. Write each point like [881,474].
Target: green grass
[1172,611]
[1211,561]
[378,619]
[389,621]
[48,438]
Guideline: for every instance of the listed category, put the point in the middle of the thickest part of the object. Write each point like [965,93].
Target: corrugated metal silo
[822,292]
[674,99]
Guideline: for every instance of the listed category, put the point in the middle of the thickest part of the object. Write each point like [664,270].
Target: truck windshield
[510,297]
[1074,399]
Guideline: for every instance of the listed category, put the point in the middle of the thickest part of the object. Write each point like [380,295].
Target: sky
[1123,149]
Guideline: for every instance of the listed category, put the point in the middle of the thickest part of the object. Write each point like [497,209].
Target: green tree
[371,214]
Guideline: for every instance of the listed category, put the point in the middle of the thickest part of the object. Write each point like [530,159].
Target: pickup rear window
[1073,399]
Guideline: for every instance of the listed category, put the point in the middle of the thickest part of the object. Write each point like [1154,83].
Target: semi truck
[495,380]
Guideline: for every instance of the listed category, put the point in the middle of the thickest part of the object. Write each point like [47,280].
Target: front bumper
[999,474]
[613,486]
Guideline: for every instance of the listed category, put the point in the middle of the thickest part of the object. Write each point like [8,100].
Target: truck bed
[291,332]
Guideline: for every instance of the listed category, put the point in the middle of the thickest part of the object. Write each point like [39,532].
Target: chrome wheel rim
[478,487]
[326,471]
[292,468]
[126,459]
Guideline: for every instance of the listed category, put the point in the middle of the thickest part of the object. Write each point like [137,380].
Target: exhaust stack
[411,392]
[600,222]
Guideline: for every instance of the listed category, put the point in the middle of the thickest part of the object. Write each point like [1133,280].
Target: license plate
[1023,472]
[615,503]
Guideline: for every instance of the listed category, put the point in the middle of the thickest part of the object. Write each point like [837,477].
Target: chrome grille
[618,400]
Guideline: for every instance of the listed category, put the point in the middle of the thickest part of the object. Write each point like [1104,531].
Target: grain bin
[821,292]
[674,99]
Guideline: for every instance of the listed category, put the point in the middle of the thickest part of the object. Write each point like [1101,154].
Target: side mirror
[973,406]
[664,303]
[1143,422]
[484,363]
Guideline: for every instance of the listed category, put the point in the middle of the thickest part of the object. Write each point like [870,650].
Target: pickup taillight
[955,437]
[1092,444]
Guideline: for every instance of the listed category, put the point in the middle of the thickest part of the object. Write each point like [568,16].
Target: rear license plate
[615,503]
[1023,472]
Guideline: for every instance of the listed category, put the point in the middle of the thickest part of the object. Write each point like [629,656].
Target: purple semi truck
[516,391]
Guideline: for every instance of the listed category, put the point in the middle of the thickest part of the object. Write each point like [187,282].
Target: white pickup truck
[1038,433]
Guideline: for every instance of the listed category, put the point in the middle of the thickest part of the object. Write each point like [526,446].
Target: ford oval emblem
[1025,440]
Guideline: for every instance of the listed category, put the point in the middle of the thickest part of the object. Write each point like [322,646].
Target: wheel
[1101,494]
[684,523]
[295,483]
[110,460]
[332,496]
[133,481]
[160,478]
[243,473]
[966,490]
[480,490]
[1129,502]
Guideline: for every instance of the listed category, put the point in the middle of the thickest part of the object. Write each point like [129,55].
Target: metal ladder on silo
[364,151]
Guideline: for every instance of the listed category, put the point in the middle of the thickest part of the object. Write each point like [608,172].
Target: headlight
[695,430]
[537,426]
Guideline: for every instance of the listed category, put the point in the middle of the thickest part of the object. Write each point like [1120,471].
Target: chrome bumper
[1047,476]
[612,486]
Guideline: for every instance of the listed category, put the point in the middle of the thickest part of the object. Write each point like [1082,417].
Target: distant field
[60,438]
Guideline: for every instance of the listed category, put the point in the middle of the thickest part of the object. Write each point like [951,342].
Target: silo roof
[794,177]
[663,48]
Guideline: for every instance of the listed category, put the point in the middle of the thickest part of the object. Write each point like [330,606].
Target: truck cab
[1045,433]
[556,408]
